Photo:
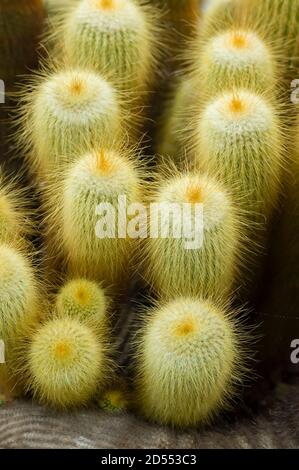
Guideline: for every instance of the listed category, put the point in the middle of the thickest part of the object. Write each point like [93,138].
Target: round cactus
[83,299]
[87,220]
[114,400]
[204,261]
[188,361]
[115,37]
[66,362]
[19,311]
[238,138]
[21,26]
[67,113]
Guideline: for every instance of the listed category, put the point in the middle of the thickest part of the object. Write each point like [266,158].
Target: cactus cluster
[201,212]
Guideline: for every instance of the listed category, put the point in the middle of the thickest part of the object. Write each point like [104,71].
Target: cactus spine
[99,177]
[69,112]
[67,363]
[21,26]
[114,37]
[207,268]
[188,360]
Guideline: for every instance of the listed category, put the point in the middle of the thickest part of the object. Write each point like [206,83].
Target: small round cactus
[114,37]
[21,26]
[67,113]
[114,400]
[188,359]
[83,299]
[66,362]
[239,139]
[232,59]
[88,222]
[19,310]
[204,261]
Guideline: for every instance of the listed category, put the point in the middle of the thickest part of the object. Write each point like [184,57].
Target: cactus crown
[82,299]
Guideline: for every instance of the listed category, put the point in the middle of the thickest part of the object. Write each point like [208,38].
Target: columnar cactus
[21,26]
[67,363]
[184,263]
[114,37]
[234,58]
[279,24]
[87,230]
[14,223]
[67,113]
[239,139]
[188,359]
[19,310]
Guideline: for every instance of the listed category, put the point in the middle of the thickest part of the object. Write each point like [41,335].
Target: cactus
[114,400]
[21,25]
[232,59]
[19,311]
[188,359]
[14,223]
[173,130]
[84,300]
[114,37]
[98,177]
[278,20]
[67,113]
[239,139]
[67,363]
[208,268]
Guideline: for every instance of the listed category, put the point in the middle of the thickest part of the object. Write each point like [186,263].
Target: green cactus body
[94,179]
[188,360]
[67,363]
[114,37]
[69,112]
[85,300]
[239,140]
[18,311]
[207,267]
[172,136]
[21,25]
